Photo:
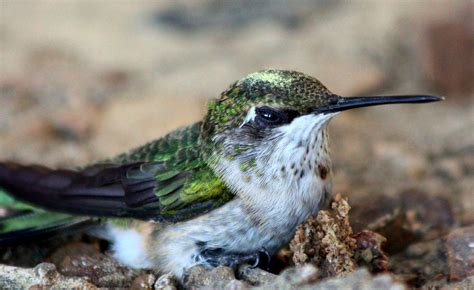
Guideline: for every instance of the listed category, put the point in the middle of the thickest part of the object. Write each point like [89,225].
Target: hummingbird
[227,190]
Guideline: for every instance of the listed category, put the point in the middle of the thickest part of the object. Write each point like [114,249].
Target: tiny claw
[266,253]
[215,257]
[257,261]
[258,255]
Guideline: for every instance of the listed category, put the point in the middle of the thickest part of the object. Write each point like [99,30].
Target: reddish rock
[460,250]
[73,248]
[369,251]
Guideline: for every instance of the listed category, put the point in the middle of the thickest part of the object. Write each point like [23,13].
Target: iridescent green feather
[186,195]
[34,220]
[8,202]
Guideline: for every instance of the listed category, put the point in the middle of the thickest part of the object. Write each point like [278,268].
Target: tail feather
[9,202]
[27,226]
[103,190]
[26,223]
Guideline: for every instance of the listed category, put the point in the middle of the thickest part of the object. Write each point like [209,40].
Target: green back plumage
[189,187]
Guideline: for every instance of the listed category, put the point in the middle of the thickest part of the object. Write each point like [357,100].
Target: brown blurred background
[84,80]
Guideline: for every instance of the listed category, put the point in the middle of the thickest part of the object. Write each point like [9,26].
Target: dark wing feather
[103,190]
[163,180]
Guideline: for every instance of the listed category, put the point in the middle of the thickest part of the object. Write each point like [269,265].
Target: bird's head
[273,106]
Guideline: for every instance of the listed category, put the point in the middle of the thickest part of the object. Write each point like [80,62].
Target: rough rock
[460,250]
[198,277]
[255,276]
[327,240]
[145,281]
[294,277]
[307,276]
[43,275]
[166,282]
[328,243]
[100,269]
[361,279]
[369,252]
[229,285]
[73,248]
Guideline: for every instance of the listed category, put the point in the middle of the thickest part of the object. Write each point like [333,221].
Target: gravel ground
[85,80]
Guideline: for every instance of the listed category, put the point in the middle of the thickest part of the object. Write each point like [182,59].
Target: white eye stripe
[250,117]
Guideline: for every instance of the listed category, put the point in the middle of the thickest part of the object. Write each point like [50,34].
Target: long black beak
[341,103]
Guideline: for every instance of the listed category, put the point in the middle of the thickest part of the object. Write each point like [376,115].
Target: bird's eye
[267,117]
[272,117]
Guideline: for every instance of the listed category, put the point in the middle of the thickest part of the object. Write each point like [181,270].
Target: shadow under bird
[230,189]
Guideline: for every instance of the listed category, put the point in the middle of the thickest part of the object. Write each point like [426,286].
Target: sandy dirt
[85,80]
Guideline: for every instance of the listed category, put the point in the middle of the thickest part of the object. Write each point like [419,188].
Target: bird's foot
[216,257]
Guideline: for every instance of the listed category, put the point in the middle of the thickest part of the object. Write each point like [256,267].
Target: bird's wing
[163,180]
